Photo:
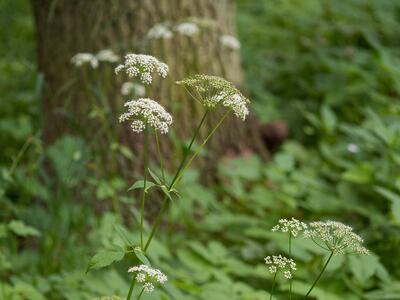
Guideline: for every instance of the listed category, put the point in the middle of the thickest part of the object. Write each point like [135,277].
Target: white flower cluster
[93,59]
[148,276]
[214,90]
[293,226]
[143,112]
[187,28]
[336,236]
[136,89]
[142,66]
[279,263]
[159,31]
[230,41]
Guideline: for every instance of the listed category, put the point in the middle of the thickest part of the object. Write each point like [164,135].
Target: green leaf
[394,198]
[166,192]
[123,234]
[104,258]
[328,118]
[21,229]
[155,177]
[141,256]
[363,267]
[360,174]
[28,291]
[139,185]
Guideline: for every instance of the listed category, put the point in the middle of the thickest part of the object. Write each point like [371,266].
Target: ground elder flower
[142,66]
[107,55]
[143,112]
[159,31]
[293,226]
[337,237]
[148,277]
[83,58]
[187,28]
[230,41]
[279,263]
[212,90]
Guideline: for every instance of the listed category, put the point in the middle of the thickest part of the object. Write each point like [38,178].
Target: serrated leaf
[141,256]
[104,258]
[140,184]
[21,229]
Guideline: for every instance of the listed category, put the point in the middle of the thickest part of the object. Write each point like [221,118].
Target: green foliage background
[328,68]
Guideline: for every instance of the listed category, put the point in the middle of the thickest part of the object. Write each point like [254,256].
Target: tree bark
[67,27]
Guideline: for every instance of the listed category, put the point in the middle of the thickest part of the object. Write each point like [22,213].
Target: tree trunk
[67,27]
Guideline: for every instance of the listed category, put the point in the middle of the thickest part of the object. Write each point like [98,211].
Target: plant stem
[290,256]
[146,158]
[159,155]
[203,144]
[319,276]
[140,295]
[133,282]
[273,286]
[165,200]
[20,154]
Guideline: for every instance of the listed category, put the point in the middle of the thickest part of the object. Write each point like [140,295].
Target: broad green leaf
[28,291]
[328,118]
[363,267]
[104,258]
[20,228]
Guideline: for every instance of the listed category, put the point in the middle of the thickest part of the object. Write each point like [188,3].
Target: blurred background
[323,142]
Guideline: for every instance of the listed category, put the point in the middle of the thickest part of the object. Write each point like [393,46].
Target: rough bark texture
[66,27]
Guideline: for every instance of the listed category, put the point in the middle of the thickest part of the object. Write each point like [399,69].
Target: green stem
[159,155]
[319,276]
[165,200]
[290,256]
[273,286]
[202,145]
[133,282]
[140,295]
[20,154]
[146,159]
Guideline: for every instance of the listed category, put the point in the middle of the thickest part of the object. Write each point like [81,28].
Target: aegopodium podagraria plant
[334,237]
[280,264]
[148,277]
[292,228]
[148,116]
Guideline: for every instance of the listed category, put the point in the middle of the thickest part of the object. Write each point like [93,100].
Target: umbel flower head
[142,66]
[148,277]
[279,263]
[293,226]
[213,90]
[146,112]
[337,237]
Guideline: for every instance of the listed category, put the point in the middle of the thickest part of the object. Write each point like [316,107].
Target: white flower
[279,263]
[213,90]
[337,237]
[142,66]
[159,31]
[83,58]
[293,226]
[230,41]
[352,148]
[148,276]
[128,88]
[187,28]
[143,112]
[107,55]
